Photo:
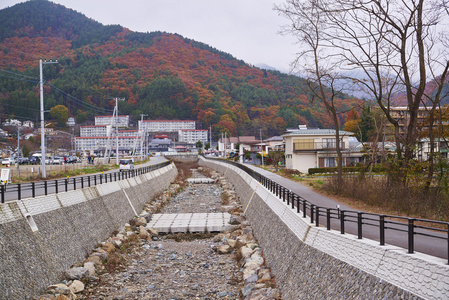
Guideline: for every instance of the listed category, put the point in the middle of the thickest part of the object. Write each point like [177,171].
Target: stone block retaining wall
[43,236]
[313,263]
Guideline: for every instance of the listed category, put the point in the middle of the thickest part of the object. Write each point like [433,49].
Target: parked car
[57,160]
[8,161]
[23,160]
[126,165]
[34,160]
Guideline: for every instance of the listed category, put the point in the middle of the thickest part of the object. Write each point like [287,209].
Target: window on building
[303,144]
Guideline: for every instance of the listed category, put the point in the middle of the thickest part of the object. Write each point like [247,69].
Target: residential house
[312,148]
[229,144]
[275,143]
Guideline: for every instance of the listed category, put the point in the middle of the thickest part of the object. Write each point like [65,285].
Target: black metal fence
[39,188]
[337,219]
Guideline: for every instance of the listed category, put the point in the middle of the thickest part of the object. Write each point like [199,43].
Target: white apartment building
[95,130]
[166,125]
[192,136]
[122,120]
[125,143]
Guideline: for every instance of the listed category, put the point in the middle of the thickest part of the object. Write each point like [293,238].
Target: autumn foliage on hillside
[163,75]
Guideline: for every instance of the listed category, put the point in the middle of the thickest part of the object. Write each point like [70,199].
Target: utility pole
[141,135]
[210,137]
[261,147]
[116,127]
[18,150]
[43,152]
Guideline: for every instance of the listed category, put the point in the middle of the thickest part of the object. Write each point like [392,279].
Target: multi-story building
[128,133]
[95,130]
[402,115]
[100,143]
[166,125]
[122,120]
[192,136]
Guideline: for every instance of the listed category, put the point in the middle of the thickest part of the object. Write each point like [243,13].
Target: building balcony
[317,146]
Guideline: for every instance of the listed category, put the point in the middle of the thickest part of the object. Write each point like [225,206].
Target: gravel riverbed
[140,263]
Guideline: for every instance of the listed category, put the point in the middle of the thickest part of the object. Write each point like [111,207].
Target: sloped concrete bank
[41,237]
[313,263]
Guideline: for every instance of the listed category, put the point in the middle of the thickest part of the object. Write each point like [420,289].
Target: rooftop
[314,132]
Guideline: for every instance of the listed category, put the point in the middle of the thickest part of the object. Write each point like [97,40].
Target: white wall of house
[310,145]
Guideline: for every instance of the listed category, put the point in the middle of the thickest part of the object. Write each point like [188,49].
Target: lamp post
[43,152]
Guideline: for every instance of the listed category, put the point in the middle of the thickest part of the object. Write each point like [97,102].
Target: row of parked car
[36,160]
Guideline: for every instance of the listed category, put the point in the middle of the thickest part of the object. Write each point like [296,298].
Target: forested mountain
[163,75]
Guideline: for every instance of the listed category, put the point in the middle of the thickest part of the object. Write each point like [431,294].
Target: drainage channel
[187,250]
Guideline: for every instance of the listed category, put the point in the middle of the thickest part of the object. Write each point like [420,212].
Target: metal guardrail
[46,187]
[410,226]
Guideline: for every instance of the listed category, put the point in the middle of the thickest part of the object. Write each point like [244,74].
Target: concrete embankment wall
[313,263]
[41,237]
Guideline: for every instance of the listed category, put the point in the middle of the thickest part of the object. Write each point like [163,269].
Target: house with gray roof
[316,148]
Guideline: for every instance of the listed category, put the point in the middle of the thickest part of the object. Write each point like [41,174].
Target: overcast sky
[247,29]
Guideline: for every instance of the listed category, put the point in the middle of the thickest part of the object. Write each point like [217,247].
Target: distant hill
[163,75]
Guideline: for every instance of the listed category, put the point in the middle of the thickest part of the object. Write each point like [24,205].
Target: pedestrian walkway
[190,222]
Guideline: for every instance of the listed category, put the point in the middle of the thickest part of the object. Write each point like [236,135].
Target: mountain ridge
[160,74]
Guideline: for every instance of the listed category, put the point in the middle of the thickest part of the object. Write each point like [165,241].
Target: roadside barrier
[19,191]
[338,219]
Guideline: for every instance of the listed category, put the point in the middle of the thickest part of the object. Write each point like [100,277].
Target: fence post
[297,204]
[56,185]
[328,218]
[19,192]
[74,183]
[33,189]
[95,179]
[101,178]
[88,181]
[411,235]
[288,197]
[359,225]
[382,230]
[115,176]
[45,188]
[66,183]
[317,218]
[312,212]
[82,182]
[3,193]
[293,200]
[304,206]
[342,222]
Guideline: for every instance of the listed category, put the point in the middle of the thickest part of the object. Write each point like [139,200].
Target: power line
[19,74]
[78,101]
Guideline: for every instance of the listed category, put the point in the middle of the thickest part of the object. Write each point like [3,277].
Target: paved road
[11,192]
[432,246]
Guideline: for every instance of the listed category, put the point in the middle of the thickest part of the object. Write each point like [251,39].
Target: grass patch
[181,237]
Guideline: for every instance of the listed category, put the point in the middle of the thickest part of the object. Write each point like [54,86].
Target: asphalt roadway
[433,246]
